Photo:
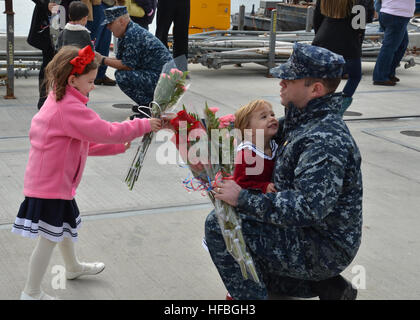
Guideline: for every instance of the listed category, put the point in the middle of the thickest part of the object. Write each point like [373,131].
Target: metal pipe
[10,50]
[251,32]
[21,58]
[25,73]
[272,49]
[241,17]
[20,64]
[309,18]
[383,118]
[23,55]
[35,53]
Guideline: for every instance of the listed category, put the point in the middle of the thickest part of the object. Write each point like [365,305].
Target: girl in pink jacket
[63,133]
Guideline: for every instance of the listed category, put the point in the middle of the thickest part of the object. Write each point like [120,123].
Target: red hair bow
[86,56]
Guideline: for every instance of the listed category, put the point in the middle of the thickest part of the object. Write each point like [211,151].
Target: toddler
[75,32]
[254,163]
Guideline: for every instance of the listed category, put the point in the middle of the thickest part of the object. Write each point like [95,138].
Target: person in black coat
[40,38]
[178,12]
[336,29]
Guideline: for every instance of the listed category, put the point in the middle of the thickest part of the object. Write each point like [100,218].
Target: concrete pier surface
[150,237]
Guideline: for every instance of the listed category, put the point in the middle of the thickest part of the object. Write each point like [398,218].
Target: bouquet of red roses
[207,146]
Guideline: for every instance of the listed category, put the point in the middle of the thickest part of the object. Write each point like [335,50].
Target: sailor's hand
[52,7]
[228,191]
[98,56]
[270,188]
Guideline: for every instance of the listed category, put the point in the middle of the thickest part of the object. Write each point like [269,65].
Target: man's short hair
[331,84]
[78,10]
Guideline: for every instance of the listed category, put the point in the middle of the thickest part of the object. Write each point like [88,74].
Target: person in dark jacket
[178,13]
[304,235]
[39,37]
[338,29]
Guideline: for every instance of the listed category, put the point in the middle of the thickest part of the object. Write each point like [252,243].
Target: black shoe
[135,108]
[394,79]
[335,288]
[105,81]
[139,114]
[388,83]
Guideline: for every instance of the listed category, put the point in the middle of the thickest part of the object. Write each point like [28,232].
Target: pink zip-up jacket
[62,135]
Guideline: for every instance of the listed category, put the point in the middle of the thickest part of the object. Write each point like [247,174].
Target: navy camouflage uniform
[310,230]
[144,54]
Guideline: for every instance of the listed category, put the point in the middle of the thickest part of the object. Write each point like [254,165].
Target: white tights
[40,259]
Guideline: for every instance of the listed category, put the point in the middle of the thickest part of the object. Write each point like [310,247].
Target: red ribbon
[86,56]
[221,175]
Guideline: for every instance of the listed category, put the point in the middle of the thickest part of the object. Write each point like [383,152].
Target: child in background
[62,134]
[253,165]
[75,33]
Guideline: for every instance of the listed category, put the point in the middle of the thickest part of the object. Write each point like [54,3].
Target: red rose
[184,116]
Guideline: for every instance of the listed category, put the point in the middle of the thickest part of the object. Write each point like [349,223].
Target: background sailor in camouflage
[302,237]
[140,56]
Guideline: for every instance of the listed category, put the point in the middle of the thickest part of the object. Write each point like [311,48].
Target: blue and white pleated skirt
[53,219]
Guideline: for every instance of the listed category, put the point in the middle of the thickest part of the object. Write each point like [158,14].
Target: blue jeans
[377,5]
[393,47]
[353,68]
[100,34]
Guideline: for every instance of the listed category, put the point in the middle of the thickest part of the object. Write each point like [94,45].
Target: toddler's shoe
[87,269]
[41,296]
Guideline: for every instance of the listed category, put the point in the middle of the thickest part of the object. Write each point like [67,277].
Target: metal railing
[10,50]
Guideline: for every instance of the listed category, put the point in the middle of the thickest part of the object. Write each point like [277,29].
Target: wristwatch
[103,61]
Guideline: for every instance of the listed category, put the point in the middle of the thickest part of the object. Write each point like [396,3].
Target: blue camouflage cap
[309,61]
[113,13]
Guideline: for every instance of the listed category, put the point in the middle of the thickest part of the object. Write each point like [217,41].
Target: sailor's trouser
[139,85]
[288,260]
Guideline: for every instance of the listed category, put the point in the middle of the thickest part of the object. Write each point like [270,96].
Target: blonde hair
[242,115]
[58,70]
[337,9]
